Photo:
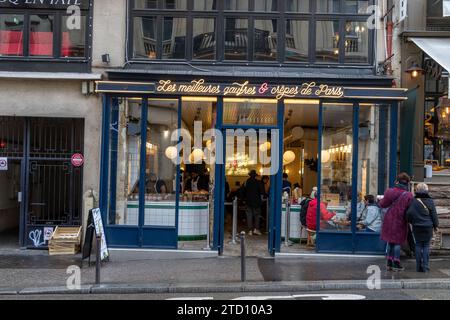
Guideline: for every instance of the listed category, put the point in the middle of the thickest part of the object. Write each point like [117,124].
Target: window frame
[281,16]
[56,61]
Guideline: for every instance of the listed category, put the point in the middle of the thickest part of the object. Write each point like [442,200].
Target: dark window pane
[266,5]
[297,34]
[205,5]
[11,35]
[144,37]
[435,8]
[145,4]
[328,6]
[327,41]
[73,37]
[175,4]
[204,42]
[265,35]
[356,42]
[236,5]
[354,6]
[297,5]
[236,42]
[41,35]
[174,39]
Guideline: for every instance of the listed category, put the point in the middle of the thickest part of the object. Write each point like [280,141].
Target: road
[328,295]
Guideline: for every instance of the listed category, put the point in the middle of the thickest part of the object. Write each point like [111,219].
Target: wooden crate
[65,241]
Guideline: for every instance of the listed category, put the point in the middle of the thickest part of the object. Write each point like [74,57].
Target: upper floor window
[43,30]
[258,31]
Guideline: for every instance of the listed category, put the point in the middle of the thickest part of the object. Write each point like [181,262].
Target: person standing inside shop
[254,192]
[197,183]
[423,217]
[394,230]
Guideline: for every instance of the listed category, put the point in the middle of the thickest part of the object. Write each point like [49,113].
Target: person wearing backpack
[304,210]
[394,230]
[423,217]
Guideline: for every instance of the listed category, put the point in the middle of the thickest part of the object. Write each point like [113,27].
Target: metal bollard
[99,258]
[288,224]
[235,213]
[243,271]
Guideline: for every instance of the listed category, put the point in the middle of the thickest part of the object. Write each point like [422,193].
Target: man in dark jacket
[423,217]
[253,193]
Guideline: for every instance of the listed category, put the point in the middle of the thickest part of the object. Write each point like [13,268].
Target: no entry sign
[3,164]
[77,160]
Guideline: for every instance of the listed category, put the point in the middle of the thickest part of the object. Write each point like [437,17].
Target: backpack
[304,210]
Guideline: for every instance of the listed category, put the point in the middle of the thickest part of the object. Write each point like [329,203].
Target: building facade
[296,81]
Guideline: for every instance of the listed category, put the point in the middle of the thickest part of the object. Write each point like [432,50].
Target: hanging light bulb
[171,152]
[288,157]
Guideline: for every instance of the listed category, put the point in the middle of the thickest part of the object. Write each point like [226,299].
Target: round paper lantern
[288,157]
[325,156]
[171,152]
[196,156]
[265,146]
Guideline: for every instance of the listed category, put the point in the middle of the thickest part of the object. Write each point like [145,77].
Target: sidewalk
[37,273]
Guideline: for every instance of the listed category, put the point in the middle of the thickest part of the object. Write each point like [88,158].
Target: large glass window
[356,42]
[265,36]
[174,38]
[297,37]
[337,164]
[327,41]
[225,26]
[204,46]
[41,35]
[11,34]
[236,39]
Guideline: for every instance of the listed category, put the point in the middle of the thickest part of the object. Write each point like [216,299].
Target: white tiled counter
[192,220]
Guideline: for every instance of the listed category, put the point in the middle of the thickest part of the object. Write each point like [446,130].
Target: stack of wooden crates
[65,241]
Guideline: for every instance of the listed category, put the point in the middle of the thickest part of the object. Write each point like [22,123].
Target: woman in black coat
[423,217]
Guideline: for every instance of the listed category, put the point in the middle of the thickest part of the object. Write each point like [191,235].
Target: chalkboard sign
[95,226]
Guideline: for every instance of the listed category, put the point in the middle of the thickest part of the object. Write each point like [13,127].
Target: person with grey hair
[422,215]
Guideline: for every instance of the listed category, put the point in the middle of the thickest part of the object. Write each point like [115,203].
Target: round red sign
[77,160]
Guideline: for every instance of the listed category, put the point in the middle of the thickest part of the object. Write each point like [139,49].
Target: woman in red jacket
[311,215]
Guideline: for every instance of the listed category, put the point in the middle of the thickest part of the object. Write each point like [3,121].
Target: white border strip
[324,255]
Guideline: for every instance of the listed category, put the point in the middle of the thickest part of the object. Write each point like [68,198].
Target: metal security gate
[51,187]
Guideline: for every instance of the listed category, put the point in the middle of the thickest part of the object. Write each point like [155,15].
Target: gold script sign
[237,89]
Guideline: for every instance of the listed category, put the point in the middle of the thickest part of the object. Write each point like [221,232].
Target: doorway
[40,188]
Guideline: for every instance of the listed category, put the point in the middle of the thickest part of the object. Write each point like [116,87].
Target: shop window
[327,41]
[238,111]
[356,42]
[266,5]
[205,5]
[265,40]
[73,40]
[41,35]
[174,38]
[370,164]
[145,37]
[11,34]
[197,176]
[337,163]
[297,6]
[204,41]
[297,39]
[125,144]
[236,5]
[236,39]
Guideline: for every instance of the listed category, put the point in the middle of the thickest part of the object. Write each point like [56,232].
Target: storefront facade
[161,219]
